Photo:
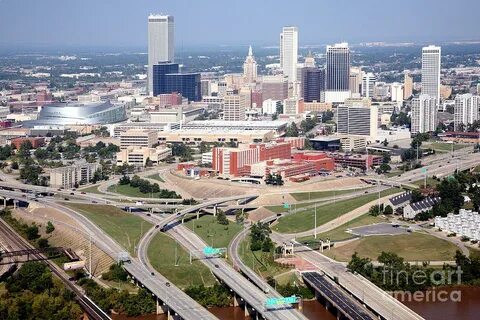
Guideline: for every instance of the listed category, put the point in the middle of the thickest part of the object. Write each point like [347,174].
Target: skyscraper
[431,59]
[167,79]
[355,80]
[289,52]
[337,73]
[424,114]
[467,110]
[407,86]
[368,84]
[357,119]
[161,45]
[250,67]
[313,84]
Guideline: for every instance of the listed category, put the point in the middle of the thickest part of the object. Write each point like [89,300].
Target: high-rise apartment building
[161,44]
[407,86]
[313,84]
[466,111]
[289,52]
[431,60]
[368,85]
[250,68]
[337,73]
[424,114]
[358,120]
[234,106]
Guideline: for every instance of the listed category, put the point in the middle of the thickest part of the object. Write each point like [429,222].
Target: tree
[49,228]
[125,180]
[292,130]
[222,218]
[388,210]
[43,243]
[33,276]
[417,196]
[32,232]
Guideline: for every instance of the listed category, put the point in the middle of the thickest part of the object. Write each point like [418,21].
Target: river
[467,309]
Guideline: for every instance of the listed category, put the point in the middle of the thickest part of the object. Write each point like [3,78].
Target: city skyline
[102,24]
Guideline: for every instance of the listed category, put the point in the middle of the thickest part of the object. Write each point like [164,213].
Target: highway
[347,305]
[15,240]
[176,299]
[365,291]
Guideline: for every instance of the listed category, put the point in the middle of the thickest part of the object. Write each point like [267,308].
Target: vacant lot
[129,191]
[173,262]
[304,221]
[412,247]
[445,147]
[213,233]
[126,229]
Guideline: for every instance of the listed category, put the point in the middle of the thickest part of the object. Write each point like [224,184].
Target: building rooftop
[404,197]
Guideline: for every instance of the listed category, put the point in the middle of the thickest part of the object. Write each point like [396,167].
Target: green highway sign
[271,302]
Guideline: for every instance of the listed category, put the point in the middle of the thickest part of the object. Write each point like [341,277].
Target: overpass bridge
[332,296]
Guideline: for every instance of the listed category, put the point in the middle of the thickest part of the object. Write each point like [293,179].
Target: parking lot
[378,229]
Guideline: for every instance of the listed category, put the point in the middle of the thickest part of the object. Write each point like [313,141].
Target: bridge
[344,306]
[30,255]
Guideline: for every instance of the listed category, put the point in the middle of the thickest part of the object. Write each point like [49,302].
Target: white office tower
[396,92]
[424,114]
[431,59]
[234,106]
[355,80]
[161,44]
[466,111]
[250,68]
[368,84]
[289,52]
[337,73]
[358,120]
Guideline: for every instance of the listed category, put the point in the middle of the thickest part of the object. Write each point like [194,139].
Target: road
[346,304]
[176,299]
[377,299]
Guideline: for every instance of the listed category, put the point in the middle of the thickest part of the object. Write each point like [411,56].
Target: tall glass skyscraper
[431,59]
[337,73]
[167,79]
[161,45]
[313,84]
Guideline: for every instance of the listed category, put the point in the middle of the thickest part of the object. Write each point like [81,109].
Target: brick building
[36,142]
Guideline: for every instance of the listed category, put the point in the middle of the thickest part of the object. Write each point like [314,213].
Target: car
[71,193]
[167,284]
[59,189]
[66,199]
[148,214]
[366,191]
[399,175]
[217,266]
[83,192]
[93,201]
[152,273]
[157,226]
[36,200]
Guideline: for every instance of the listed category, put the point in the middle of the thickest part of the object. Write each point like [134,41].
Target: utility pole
[315,228]
[90,254]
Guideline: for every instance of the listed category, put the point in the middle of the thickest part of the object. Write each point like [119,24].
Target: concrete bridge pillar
[159,307]
[15,202]
[215,210]
[198,215]
[4,203]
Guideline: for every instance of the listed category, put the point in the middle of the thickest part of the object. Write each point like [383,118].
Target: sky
[123,23]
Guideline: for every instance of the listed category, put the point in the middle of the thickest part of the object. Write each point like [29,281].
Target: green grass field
[304,221]
[412,247]
[91,189]
[474,253]
[156,177]
[213,233]
[293,206]
[303,196]
[126,229]
[129,191]
[444,147]
[161,254]
[260,262]
[340,233]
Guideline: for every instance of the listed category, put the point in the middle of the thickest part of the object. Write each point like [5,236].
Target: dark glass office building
[313,84]
[338,67]
[167,79]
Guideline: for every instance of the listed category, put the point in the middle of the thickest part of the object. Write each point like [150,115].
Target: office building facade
[407,86]
[357,120]
[368,84]
[337,73]
[234,107]
[289,52]
[167,79]
[431,66]
[250,67]
[313,84]
[161,43]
